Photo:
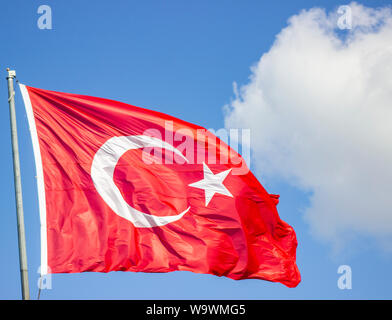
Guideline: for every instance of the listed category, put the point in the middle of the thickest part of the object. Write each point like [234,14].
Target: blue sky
[180,58]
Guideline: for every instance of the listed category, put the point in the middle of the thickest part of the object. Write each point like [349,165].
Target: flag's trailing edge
[40,178]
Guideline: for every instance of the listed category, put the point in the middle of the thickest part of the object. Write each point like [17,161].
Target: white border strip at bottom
[40,178]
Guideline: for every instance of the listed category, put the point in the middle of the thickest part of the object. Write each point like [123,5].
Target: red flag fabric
[122,188]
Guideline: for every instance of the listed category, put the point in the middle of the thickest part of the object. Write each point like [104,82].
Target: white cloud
[320,113]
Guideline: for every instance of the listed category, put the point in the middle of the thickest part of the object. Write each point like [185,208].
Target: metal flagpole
[18,188]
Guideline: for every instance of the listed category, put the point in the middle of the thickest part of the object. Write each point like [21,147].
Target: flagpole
[18,188]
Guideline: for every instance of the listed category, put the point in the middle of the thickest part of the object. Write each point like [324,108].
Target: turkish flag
[122,188]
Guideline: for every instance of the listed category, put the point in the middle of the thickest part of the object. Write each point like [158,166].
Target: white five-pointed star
[212,183]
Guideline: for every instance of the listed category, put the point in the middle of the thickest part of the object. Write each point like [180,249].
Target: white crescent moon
[102,170]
